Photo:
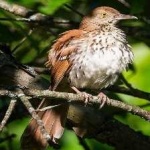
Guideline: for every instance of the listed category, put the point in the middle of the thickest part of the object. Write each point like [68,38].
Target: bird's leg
[103,99]
[84,94]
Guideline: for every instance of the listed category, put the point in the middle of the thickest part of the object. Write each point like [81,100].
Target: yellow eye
[103,15]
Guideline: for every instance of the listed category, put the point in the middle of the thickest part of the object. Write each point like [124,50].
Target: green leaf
[52,6]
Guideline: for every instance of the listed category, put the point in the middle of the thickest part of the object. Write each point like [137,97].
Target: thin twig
[31,16]
[22,41]
[32,111]
[8,113]
[41,70]
[8,54]
[29,70]
[131,92]
[16,19]
[48,107]
[126,82]
[41,19]
[124,3]
[74,10]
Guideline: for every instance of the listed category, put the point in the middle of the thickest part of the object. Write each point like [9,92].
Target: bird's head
[104,15]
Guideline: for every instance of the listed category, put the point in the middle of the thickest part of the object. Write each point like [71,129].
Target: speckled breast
[99,59]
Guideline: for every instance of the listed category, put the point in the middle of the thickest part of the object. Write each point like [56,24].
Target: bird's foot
[86,96]
[103,99]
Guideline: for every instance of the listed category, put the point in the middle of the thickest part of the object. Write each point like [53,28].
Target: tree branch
[132,92]
[73,98]
[25,100]
[31,16]
[8,113]
[16,9]
[124,137]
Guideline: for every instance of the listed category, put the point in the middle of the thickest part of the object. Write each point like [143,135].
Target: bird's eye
[103,15]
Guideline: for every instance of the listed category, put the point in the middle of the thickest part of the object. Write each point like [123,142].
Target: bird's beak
[123,16]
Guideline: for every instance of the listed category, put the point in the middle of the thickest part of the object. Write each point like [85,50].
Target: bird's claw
[87,97]
[103,99]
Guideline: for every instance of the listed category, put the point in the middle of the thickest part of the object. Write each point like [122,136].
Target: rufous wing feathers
[54,119]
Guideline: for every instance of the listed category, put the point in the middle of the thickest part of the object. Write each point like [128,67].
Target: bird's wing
[59,54]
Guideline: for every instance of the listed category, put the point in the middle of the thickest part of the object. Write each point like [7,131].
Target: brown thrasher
[90,57]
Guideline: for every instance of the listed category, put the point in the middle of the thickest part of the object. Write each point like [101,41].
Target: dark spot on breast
[94,40]
[102,49]
[100,41]
[107,47]
[121,50]
[106,40]
[113,51]
[102,29]
[76,76]
[81,62]
[92,50]
[122,46]
[83,73]
[92,44]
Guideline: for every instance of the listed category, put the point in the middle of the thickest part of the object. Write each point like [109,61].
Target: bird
[90,57]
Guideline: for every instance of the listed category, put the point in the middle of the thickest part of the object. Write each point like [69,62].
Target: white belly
[98,69]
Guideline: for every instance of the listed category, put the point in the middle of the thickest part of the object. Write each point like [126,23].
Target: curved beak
[123,16]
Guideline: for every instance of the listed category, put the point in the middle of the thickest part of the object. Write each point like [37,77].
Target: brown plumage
[90,57]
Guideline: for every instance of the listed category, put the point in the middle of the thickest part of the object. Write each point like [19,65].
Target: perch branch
[94,100]
[73,98]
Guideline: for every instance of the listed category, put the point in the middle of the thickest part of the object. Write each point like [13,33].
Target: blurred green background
[34,50]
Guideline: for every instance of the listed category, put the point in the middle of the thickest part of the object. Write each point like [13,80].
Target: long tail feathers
[54,121]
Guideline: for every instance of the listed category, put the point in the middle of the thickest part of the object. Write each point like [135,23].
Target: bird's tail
[54,120]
